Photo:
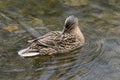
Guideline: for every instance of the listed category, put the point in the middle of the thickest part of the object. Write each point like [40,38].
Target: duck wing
[42,45]
[47,40]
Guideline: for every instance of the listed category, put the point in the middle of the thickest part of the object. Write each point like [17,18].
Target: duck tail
[27,53]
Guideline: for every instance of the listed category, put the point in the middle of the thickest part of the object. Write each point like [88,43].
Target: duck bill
[64,31]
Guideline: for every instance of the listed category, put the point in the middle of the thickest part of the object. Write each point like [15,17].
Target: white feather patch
[30,54]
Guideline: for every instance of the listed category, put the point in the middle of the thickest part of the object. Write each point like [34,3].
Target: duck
[56,42]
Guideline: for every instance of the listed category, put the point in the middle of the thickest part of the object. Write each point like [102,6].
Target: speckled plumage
[55,42]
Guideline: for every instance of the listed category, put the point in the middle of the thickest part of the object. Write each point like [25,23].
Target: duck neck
[72,30]
[75,30]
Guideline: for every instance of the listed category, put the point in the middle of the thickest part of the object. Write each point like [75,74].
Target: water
[99,21]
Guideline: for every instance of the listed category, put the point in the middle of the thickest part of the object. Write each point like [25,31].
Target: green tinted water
[22,20]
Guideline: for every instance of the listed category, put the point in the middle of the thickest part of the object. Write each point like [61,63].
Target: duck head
[71,25]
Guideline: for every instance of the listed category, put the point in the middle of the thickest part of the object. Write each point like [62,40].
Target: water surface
[22,20]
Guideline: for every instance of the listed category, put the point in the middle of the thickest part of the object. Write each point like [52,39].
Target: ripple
[77,62]
[99,58]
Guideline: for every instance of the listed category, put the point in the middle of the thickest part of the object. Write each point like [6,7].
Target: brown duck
[56,42]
